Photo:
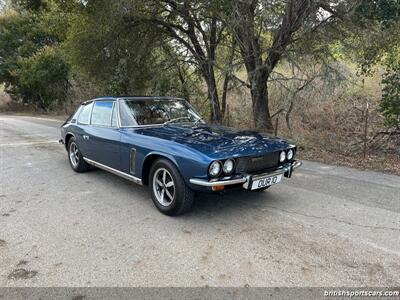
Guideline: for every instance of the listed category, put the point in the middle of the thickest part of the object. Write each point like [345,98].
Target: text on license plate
[266,181]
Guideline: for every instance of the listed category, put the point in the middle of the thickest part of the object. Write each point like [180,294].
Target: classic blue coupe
[163,142]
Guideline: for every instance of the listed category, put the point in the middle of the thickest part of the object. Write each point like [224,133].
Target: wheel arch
[68,136]
[150,159]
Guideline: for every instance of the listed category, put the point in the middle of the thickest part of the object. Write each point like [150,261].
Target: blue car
[163,143]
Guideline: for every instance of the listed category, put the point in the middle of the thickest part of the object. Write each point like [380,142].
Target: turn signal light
[218,188]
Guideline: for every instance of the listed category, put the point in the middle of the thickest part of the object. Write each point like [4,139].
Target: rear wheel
[168,190]
[75,158]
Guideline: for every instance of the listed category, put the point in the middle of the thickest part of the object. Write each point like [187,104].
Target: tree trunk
[289,111]
[186,93]
[224,94]
[216,116]
[259,97]
[227,77]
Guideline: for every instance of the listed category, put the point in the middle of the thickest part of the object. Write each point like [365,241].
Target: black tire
[182,195]
[262,189]
[80,164]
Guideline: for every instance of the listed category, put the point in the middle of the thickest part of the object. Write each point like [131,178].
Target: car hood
[218,142]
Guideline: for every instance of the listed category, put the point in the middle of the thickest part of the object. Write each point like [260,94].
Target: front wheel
[168,190]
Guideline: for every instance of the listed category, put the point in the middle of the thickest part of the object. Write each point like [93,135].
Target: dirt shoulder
[387,163]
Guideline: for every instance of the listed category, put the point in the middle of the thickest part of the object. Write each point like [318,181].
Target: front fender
[187,166]
[189,161]
[161,154]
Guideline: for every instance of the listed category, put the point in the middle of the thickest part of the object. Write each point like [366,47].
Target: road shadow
[234,202]
[207,206]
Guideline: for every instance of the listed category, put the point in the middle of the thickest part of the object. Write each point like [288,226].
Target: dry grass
[388,163]
[327,122]
[5,99]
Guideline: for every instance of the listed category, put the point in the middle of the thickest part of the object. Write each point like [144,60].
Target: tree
[43,78]
[30,65]
[264,30]
[377,43]
[109,43]
[194,26]
[390,105]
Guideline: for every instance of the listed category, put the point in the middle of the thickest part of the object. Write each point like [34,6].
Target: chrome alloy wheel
[163,187]
[73,154]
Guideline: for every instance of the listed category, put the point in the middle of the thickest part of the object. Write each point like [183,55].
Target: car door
[103,134]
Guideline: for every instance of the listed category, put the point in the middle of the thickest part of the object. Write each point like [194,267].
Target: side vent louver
[132,161]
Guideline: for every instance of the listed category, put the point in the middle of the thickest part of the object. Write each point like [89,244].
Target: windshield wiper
[182,118]
[175,120]
[198,121]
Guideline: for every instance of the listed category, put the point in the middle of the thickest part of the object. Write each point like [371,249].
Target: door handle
[85,137]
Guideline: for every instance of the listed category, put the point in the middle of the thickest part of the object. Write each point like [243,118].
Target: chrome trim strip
[245,179]
[297,164]
[91,112]
[204,182]
[119,117]
[143,126]
[114,171]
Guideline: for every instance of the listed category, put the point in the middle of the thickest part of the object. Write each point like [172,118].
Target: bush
[43,79]
[390,104]
[31,67]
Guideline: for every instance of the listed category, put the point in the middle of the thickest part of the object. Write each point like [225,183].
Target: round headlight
[282,156]
[215,169]
[290,154]
[228,166]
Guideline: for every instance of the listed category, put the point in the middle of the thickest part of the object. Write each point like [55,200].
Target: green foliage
[384,11]
[107,45]
[375,30]
[43,78]
[390,104]
[99,47]
[377,42]
[30,5]
[30,67]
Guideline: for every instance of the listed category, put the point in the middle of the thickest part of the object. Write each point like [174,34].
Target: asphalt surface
[327,226]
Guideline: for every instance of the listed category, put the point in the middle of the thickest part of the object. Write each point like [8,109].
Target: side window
[114,122]
[84,117]
[101,115]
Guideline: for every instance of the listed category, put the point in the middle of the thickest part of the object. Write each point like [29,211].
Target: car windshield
[135,112]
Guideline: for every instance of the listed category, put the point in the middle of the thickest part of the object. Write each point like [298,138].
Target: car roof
[113,98]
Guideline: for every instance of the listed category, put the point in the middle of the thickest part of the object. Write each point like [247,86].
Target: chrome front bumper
[287,170]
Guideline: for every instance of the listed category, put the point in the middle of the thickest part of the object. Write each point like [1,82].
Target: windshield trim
[144,99]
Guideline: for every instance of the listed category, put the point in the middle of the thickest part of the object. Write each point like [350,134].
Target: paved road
[326,226]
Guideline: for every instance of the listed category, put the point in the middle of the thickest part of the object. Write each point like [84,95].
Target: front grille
[259,163]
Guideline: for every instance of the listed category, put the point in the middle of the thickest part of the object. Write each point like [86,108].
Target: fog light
[282,156]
